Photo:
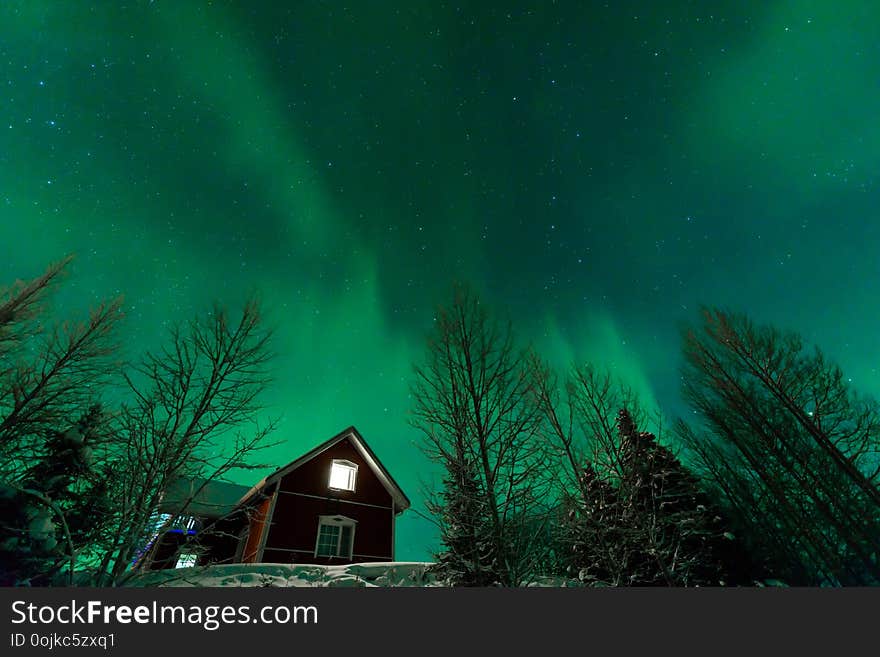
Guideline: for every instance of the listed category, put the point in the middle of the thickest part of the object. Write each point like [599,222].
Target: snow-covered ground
[398,573]
[379,574]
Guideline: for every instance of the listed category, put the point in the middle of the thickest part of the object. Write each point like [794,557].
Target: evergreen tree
[474,405]
[56,485]
[468,557]
[590,533]
[685,540]
[56,509]
[649,523]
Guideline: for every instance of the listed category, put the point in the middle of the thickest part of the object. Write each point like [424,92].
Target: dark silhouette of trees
[633,514]
[538,476]
[80,484]
[52,481]
[194,414]
[469,558]
[685,540]
[49,373]
[58,507]
[788,445]
[474,406]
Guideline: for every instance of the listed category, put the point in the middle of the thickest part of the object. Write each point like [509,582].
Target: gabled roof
[401,501]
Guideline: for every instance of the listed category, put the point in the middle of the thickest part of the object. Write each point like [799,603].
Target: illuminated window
[335,537]
[186,560]
[343,474]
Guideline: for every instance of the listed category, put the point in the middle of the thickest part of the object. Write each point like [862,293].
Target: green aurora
[597,172]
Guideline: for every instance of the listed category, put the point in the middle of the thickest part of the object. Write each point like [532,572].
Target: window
[343,474]
[170,522]
[335,537]
[186,560]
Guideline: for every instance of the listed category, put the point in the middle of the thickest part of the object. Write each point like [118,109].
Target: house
[194,518]
[334,504]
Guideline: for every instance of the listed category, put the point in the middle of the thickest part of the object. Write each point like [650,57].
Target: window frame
[187,553]
[353,473]
[336,521]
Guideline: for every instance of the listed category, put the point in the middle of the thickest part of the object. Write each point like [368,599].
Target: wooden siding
[304,495]
[290,534]
[313,477]
[256,527]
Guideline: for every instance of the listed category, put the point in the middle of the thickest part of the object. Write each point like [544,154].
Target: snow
[42,529]
[377,574]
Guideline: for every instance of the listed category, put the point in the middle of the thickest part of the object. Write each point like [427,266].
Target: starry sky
[596,170]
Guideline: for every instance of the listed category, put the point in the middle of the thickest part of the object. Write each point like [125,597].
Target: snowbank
[378,574]
[398,573]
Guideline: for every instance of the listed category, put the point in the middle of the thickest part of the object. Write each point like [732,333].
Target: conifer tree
[468,557]
[683,539]
[475,408]
[50,374]
[86,496]
[56,509]
[636,517]
[590,536]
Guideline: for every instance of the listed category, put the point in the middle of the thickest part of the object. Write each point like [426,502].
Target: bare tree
[633,514]
[474,405]
[578,427]
[195,413]
[793,449]
[50,374]
[579,418]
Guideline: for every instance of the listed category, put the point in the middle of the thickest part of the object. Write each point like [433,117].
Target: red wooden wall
[256,527]
[304,495]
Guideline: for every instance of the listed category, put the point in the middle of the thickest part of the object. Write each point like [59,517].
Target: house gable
[303,497]
[357,451]
[313,478]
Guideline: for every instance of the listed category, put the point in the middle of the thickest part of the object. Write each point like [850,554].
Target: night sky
[596,170]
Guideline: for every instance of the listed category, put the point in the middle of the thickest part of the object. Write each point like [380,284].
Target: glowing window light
[342,474]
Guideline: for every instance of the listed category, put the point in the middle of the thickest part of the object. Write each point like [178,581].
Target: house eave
[401,501]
